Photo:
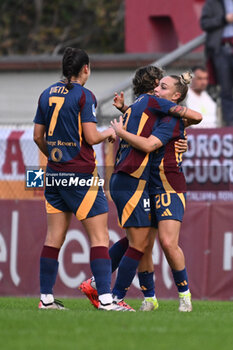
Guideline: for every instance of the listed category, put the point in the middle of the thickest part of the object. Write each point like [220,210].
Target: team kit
[147,184]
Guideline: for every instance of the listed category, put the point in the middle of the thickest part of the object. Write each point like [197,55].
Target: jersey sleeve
[161,105]
[87,107]
[165,129]
[39,117]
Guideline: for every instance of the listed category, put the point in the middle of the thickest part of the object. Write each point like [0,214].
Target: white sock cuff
[47,298]
[105,298]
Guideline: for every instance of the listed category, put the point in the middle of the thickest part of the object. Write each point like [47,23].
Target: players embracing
[148,165]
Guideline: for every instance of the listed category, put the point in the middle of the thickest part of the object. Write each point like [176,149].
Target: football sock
[48,269]
[105,298]
[181,280]
[101,268]
[117,251]
[146,282]
[126,272]
[47,298]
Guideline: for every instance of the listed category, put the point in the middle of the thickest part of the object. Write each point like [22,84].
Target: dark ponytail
[72,63]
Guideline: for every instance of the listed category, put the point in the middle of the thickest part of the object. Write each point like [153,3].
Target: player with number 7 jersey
[63,111]
[65,130]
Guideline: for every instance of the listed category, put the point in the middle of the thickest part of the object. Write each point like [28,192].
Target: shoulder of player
[158,102]
[140,102]
[88,93]
[85,90]
[45,93]
[141,98]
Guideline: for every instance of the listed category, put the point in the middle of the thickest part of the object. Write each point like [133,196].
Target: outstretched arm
[93,136]
[192,117]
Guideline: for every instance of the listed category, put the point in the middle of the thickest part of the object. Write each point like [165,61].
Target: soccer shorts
[83,200]
[167,206]
[131,198]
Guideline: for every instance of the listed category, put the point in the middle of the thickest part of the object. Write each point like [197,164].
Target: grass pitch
[24,327]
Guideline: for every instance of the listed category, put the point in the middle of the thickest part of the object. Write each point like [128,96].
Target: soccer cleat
[125,305]
[185,302]
[113,307]
[92,294]
[149,304]
[55,305]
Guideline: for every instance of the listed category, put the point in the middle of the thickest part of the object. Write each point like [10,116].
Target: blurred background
[119,36]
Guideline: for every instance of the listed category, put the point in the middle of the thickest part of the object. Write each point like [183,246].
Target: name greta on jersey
[52,180]
[62,143]
[58,90]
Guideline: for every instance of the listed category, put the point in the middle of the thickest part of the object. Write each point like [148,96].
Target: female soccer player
[65,130]
[128,184]
[166,182]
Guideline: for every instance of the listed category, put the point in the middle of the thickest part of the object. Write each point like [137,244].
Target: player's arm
[119,102]
[88,121]
[190,116]
[93,136]
[145,144]
[39,138]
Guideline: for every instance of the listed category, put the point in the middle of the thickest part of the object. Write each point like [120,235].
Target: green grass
[23,327]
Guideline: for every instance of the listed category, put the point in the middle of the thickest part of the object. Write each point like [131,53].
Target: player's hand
[181,145]
[119,100]
[117,125]
[112,138]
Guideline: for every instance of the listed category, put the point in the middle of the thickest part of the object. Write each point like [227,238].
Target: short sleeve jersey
[63,111]
[166,173]
[140,119]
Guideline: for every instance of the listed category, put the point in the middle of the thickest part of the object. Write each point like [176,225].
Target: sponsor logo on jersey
[146,204]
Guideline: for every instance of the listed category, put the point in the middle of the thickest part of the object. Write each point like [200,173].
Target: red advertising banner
[208,164]
[220,261]
[206,238]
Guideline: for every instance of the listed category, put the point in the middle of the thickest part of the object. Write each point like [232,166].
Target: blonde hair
[182,82]
[186,78]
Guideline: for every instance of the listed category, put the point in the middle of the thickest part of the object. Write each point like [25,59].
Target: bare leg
[57,227]
[169,239]
[138,237]
[97,230]
[169,231]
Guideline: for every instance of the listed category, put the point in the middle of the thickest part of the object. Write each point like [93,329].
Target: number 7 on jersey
[58,101]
